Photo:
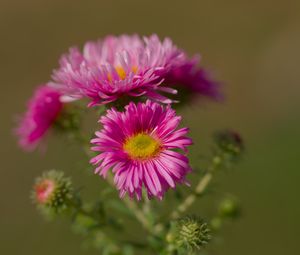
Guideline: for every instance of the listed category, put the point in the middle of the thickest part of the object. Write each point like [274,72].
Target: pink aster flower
[109,69]
[182,72]
[121,66]
[191,80]
[140,146]
[43,109]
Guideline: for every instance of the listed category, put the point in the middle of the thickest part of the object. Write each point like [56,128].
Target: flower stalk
[139,147]
[132,206]
[199,190]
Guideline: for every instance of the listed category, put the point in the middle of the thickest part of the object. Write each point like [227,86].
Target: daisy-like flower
[141,145]
[42,111]
[127,66]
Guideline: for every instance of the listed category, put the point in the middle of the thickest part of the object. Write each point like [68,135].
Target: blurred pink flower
[42,110]
[127,66]
[141,145]
[192,81]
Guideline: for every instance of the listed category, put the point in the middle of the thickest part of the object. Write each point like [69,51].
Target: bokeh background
[251,46]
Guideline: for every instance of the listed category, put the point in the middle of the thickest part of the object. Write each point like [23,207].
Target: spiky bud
[190,233]
[52,191]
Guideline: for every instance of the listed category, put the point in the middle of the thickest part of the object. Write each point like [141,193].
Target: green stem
[81,210]
[199,190]
[140,216]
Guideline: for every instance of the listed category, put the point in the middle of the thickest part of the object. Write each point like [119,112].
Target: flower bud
[52,191]
[191,233]
[229,208]
[229,142]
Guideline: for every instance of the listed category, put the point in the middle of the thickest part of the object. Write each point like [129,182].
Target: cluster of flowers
[141,143]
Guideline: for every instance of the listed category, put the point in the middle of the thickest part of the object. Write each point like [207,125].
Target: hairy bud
[52,191]
[190,233]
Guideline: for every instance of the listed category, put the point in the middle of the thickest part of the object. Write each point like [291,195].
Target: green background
[251,46]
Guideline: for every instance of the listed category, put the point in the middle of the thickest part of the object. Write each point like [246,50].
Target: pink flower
[141,145]
[43,109]
[113,68]
[121,66]
[182,72]
[191,80]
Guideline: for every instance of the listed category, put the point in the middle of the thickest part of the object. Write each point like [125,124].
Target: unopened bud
[230,142]
[52,191]
[192,233]
[229,208]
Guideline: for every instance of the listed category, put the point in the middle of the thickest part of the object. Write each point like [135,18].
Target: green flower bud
[230,143]
[52,191]
[191,233]
[229,208]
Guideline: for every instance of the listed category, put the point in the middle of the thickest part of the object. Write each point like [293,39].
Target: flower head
[42,111]
[128,66]
[139,146]
[52,190]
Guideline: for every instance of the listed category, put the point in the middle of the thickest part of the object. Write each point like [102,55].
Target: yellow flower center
[142,146]
[121,72]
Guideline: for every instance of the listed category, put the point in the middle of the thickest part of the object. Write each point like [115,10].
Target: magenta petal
[42,111]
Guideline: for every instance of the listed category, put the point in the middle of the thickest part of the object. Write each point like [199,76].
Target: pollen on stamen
[121,72]
[134,69]
[142,146]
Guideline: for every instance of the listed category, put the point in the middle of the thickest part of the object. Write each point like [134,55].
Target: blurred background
[251,46]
